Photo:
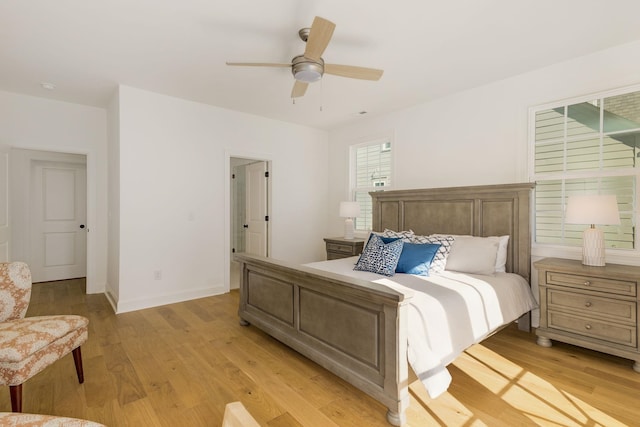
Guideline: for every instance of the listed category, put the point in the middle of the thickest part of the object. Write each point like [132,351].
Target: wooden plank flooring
[178,365]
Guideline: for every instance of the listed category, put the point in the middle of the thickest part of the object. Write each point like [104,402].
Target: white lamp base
[348,228]
[593,247]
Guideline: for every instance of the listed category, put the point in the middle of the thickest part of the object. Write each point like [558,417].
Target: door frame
[91,280]
[229,154]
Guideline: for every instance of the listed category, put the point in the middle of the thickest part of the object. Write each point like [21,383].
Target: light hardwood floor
[178,365]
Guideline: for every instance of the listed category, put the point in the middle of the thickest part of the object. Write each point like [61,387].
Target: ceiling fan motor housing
[307,70]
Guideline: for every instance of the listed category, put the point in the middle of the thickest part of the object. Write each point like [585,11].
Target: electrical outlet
[157,275]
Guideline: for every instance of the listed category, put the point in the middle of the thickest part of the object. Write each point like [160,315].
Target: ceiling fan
[309,67]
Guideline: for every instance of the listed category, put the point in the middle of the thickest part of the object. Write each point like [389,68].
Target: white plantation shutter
[551,196]
[371,170]
[586,147]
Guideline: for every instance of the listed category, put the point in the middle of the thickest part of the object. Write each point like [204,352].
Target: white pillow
[501,258]
[474,255]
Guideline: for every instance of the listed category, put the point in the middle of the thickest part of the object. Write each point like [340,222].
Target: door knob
[81,225]
[246,225]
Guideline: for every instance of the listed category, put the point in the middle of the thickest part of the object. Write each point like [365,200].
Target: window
[589,146]
[371,170]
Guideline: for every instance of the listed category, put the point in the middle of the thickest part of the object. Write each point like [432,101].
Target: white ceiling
[427,48]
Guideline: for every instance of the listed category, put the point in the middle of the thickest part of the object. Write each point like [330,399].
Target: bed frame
[357,329]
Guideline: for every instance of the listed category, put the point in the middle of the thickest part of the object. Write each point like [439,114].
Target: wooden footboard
[353,328]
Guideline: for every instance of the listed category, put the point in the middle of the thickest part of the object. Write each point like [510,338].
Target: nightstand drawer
[598,284]
[613,309]
[336,247]
[607,331]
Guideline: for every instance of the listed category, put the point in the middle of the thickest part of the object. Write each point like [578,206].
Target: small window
[371,170]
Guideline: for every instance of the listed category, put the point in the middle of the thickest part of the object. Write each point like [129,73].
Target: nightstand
[592,307]
[339,247]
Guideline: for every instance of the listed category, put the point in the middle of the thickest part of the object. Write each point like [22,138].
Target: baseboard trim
[158,300]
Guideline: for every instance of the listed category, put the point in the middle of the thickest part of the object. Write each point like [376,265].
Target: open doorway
[249,205]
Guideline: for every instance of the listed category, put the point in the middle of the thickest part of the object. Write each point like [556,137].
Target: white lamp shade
[592,209]
[349,209]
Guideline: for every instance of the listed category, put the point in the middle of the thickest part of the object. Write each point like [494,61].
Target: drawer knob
[587,304]
[587,326]
[587,283]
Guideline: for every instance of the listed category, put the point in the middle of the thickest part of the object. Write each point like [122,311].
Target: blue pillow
[416,258]
[380,257]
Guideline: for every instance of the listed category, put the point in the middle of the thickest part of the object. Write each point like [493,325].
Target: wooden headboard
[487,210]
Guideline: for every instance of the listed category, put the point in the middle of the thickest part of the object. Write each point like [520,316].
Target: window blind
[372,169]
[588,147]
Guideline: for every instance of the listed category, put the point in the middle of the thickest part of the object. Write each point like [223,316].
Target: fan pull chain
[321,94]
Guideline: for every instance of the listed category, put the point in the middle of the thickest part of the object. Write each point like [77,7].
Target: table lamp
[349,210]
[593,209]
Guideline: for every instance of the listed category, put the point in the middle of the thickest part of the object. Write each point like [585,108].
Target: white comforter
[449,313]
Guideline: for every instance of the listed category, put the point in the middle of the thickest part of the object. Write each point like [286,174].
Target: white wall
[5,228]
[113,197]
[174,194]
[170,199]
[41,124]
[480,136]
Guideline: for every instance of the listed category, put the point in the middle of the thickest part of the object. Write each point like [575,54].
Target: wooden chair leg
[16,397]
[77,359]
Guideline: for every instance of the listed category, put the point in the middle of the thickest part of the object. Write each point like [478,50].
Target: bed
[356,324]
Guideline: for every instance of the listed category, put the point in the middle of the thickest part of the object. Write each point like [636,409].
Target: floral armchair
[28,345]
[37,420]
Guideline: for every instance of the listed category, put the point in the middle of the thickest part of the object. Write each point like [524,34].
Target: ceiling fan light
[307,70]
[307,76]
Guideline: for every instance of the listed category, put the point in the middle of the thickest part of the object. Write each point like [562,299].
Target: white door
[256,209]
[58,206]
[4,204]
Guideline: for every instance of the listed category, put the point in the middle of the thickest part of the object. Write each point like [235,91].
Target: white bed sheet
[449,313]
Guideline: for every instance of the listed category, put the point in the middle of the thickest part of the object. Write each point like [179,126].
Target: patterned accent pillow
[384,238]
[379,257]
[440,260]
[406,236]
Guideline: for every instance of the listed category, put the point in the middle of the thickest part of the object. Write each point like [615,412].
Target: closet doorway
[249,210]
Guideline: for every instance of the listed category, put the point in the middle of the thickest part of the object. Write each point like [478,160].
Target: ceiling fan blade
[353,72]
[260,64]
[299,89]
[319,37]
